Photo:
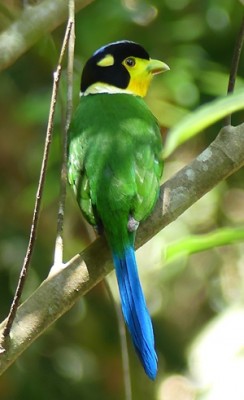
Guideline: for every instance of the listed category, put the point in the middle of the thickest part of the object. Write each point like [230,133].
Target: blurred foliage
[196,122]
[79,357]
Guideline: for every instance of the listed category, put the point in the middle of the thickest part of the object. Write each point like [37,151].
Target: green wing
[114,158]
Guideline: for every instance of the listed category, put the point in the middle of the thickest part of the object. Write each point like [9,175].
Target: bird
[115,164]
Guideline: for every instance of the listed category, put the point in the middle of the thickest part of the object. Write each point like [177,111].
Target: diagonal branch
[31,25]
[59,291]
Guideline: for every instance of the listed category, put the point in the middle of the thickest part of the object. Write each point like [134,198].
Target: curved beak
[156,67]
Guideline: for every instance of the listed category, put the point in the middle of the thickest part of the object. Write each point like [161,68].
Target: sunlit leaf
[203,117]
[196,243]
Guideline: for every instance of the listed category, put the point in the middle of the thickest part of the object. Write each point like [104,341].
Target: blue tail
[135,310]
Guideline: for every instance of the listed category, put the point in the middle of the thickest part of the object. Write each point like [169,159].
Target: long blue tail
[135,310]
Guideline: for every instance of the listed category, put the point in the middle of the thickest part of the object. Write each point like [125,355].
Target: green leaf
[203,117]
[196,243]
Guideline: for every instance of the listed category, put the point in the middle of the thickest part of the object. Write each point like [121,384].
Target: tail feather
[135,311]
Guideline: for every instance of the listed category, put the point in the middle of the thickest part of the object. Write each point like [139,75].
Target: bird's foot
[132,224]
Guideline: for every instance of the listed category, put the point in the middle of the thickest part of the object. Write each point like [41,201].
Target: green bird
[115,165]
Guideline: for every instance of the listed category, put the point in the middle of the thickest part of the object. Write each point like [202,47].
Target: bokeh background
[196,300]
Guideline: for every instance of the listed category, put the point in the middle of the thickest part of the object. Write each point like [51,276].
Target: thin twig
[234,65]
[36,212]
[58,252]
[123,343]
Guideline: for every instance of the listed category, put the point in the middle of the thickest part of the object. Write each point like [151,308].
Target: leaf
[203,117]
[197,243]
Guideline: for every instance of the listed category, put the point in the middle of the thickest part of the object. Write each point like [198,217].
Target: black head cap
[116,74]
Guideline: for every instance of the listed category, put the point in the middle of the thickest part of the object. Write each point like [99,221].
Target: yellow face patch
[140,76]
[141,72]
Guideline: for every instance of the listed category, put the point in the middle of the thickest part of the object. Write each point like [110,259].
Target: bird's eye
[131,62]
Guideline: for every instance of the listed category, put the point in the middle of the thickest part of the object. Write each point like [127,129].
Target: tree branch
[59,291]
[32,24]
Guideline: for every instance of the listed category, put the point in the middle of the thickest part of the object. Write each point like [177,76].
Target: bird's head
[120,67]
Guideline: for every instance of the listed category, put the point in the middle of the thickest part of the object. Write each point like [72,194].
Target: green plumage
[114,162]
[115,166]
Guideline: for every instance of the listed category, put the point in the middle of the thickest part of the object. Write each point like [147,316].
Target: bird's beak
[156,67]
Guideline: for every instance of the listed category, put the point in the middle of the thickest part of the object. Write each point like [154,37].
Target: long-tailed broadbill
[114,167]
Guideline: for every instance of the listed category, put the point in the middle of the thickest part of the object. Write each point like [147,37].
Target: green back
[114,161]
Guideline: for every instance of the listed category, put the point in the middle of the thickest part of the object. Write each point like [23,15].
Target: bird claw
[132,224]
